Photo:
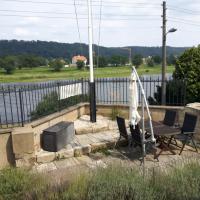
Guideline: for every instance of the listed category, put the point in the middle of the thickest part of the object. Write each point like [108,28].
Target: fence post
[58,84]
[21,107]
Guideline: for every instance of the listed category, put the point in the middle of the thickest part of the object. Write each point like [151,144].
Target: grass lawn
[45,74]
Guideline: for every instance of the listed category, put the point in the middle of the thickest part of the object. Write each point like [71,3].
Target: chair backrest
[189,123]
[170,117]
[135,133]
[122,127]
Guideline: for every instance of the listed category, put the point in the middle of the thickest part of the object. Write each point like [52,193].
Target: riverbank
[44,74]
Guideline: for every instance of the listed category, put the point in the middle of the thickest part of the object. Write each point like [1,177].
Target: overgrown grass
[182,181]
[45,74]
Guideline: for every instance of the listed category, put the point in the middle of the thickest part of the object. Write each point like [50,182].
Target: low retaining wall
[20,146]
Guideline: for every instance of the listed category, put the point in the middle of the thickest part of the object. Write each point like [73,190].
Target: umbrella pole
[143,137]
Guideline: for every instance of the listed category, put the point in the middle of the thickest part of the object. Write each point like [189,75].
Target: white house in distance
[75,59]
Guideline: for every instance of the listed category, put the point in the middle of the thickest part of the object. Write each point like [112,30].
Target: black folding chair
[170,118]
[187,131]
[123,131]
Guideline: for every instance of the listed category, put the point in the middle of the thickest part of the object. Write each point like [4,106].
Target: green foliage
[120,182]
[188,68]
[157,59]
[18,184]
[175,94]
[117,182]
[51,104]
[117,60]
[30,61]
[150,62]
[9,64]
[171,59]
[64,50]
[102,61]
[137,60]
[80,64]
[56,65]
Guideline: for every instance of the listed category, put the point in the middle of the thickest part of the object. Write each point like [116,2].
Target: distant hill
[66,50]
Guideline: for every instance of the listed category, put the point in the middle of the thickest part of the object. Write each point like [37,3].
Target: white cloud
[21,31]
[141,30]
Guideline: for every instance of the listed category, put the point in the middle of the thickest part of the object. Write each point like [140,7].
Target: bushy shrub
[9,64]
[19,183]
[51,104]
[80,64]
[188,68]
[56,65]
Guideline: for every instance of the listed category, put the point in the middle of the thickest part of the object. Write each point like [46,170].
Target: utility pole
[164,34]
[92,83]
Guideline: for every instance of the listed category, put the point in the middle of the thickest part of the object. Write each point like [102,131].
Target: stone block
[98,146]
[65,153]
[45,157]
[23,141]
[25,162]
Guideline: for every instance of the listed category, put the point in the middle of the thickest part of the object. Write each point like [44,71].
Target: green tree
[30,61]
[9,64]
[80,64]
[102,61]
[171,59]
[188,68]
[150,62]
[137,60]
[56,65]
[157,59]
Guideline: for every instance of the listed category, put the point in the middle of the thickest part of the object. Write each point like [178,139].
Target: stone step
[84,126]
[82,145]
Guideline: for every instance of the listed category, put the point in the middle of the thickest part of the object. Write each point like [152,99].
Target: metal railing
[23,103]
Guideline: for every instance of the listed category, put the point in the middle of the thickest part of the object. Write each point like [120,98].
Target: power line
[180,9]
[140,5]
[184,20]
[77,23]
[59,17]
[179,21]
[70,13]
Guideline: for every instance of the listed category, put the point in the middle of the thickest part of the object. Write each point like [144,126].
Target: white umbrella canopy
[133,100]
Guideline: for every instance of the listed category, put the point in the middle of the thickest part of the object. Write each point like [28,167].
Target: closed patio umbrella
[133,99]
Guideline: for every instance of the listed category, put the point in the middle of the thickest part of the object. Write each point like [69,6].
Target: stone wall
[6,150]
[20,146]
[157,112]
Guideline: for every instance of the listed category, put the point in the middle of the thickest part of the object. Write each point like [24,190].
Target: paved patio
[95,149]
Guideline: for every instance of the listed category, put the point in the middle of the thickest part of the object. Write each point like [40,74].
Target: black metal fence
[22,103]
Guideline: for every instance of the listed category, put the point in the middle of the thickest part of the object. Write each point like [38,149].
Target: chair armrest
[188,133]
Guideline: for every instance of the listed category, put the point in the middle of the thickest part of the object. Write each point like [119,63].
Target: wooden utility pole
[164,34]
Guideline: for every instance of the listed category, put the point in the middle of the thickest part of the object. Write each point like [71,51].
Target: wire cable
[77,23]
[99,36]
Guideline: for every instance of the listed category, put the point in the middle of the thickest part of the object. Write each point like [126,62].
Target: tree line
[10,63]
[65,50]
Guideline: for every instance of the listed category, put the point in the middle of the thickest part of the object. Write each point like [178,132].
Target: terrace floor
[94,140]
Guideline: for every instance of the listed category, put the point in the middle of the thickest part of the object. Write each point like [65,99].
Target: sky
[123,22]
